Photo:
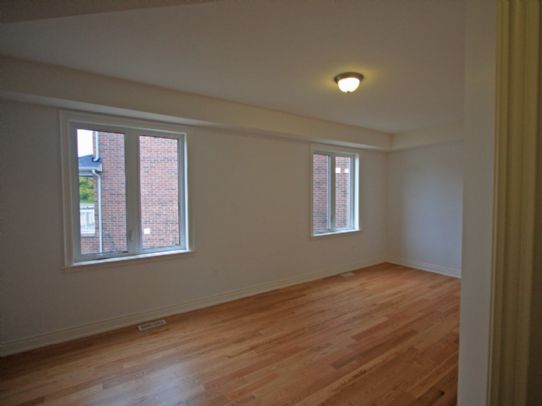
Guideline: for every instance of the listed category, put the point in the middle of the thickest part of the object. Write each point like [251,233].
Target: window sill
[122,261]
[336,233]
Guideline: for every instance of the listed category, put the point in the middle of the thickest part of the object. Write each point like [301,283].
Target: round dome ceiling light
[348,82]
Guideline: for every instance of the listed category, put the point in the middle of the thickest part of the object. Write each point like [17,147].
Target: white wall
[75,89]
[480,102]
[250,196]
[425,199]
[441,134]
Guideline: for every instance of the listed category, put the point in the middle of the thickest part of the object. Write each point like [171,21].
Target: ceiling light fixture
[348,82]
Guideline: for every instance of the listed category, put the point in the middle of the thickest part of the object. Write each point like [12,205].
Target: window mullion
[181,182]
[332,197]
[133,207]
[353,191]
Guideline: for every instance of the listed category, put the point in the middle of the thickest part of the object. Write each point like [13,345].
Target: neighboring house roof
[88,163]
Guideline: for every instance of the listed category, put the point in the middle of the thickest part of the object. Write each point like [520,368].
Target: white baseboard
[442,270]
[101,326]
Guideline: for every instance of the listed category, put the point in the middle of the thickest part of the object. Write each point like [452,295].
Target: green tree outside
[86,190]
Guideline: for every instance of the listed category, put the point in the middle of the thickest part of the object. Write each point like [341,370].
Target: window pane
[159,176]
[102,192]
[320,193]
[343,192]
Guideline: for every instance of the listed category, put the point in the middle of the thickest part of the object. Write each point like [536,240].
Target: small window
[126,190]
[334,192]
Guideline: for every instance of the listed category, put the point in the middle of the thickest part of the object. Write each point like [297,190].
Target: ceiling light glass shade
[348,82]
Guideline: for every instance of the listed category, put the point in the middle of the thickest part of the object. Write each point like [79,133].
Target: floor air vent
[151,324]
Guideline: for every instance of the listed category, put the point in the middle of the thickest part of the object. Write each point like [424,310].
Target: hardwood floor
[386,336]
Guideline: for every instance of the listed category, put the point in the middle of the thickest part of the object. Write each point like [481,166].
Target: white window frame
[72,121]
[334,152]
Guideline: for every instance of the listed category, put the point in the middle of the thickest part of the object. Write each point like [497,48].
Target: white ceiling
[279,54]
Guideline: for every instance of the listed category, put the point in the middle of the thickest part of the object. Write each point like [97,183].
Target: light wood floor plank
[386,336]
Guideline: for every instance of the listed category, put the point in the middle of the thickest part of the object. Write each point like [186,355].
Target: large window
[125,190]
[334,191]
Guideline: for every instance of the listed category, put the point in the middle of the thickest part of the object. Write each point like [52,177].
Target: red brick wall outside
[159,194]
[159,191]
[343,170]
[320,193]
[113,192]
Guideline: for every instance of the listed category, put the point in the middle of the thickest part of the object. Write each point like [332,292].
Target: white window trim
[334,151]
[69,120]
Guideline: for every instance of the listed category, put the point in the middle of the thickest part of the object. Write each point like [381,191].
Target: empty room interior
[246,202]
